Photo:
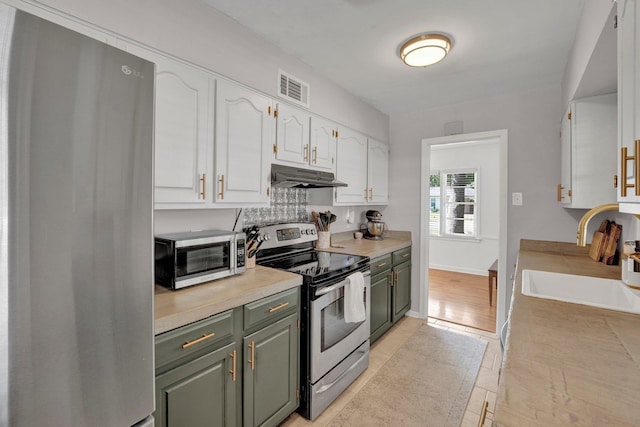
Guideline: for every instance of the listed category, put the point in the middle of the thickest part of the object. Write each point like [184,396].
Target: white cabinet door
[628,99]
[378,172]
[351,168]
[183,133]
[292,135]
[564,188]
[323,144]
[244,139]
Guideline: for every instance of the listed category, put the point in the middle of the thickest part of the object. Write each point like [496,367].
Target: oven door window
[203,259]
[333,327]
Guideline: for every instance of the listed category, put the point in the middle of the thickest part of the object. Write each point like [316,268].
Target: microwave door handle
[332,288]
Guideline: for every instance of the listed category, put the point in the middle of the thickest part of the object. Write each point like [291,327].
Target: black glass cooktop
[318,266]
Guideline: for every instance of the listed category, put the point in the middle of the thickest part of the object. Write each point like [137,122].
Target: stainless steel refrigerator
[76,278]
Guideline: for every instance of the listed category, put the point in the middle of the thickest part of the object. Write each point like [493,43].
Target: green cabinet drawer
[380,264]
[402,255]
[270,308]
[194,339]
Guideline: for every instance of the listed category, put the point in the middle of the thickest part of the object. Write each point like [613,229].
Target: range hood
[289,177]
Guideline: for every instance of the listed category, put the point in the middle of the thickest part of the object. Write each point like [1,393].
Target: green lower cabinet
[271,373]
[201,392]
[401,290]
[390,290]
[380,305]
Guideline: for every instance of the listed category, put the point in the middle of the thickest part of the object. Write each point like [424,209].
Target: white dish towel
[354,309]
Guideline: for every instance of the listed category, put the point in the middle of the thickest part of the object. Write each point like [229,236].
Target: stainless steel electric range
[333,352]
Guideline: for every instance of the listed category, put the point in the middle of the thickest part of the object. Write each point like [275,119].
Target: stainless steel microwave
[190,258]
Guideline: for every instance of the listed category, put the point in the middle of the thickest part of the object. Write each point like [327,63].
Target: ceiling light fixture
[425,50]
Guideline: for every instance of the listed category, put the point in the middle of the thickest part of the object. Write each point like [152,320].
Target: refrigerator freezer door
[76,124]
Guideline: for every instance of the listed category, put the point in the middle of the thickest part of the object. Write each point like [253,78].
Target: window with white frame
[453,203]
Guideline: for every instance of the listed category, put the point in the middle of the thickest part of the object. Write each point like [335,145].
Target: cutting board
[611,245]
[597,248]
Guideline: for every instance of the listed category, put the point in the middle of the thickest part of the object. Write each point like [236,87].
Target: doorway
[464,226]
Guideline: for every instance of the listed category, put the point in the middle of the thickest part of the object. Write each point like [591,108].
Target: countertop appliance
[375,226]
[333,352]
[76,187]
[192,257]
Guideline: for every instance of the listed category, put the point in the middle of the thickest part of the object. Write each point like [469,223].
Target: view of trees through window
[452,199]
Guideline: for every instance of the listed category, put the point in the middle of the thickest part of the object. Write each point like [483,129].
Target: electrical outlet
[516,199]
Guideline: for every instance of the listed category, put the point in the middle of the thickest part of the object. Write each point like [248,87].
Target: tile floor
[485,387]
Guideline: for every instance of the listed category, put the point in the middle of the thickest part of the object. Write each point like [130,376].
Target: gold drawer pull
[315,155]
[382,264]
[196,341]
[278,307]
[233,369]
[405,255]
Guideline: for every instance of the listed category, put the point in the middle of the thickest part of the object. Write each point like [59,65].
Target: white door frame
[425,171]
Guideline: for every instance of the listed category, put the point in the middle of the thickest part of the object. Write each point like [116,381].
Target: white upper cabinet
[377,172]
[588,159]
[244,130]
[183,132]
[628,104]
[323,144]
[351,168]
[292,135]
[304,140]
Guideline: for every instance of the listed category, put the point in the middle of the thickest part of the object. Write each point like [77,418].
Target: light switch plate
[516,199]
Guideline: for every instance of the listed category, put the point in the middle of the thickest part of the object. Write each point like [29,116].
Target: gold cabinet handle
[366,194]
[233,368]
[268,191]
[405,255]
[370,194]
[278,307]
[252,361]
[306,153]
[203,186]
[198,340]
[315,155]
[624,158]
[391,278]
[560,188]
[615,181]
[221,181]
[483,415]
[382,264]
[396,280]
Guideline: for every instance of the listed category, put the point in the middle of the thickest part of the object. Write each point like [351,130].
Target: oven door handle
[342,375]
[332,288]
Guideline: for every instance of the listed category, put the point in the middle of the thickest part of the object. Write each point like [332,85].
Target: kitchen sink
[597,292]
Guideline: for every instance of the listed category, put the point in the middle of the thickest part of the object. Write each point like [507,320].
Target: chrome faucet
[584,221]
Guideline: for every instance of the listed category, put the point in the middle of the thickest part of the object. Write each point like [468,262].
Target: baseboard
[460,269]
[415,314]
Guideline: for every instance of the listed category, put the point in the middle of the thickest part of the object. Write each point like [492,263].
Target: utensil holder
[324,240]
[251,262]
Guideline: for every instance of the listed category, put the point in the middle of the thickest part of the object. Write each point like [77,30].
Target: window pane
[434,204]
[461,226]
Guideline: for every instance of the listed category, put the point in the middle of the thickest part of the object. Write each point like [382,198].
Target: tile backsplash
[287,205]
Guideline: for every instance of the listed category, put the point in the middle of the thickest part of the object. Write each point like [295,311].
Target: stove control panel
[288,234]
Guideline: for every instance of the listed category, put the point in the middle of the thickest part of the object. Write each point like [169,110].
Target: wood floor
[462,298]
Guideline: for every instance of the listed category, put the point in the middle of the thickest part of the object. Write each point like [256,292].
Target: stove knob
[313,231]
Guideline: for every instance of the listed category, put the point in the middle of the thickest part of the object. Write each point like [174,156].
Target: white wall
[463,255]
[193,31]
[594,17]
[532,119]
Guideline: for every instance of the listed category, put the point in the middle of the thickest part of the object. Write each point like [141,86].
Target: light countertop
[178,308]
[568,364]
[346,244]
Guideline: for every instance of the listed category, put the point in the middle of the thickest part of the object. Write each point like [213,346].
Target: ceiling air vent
[293,89]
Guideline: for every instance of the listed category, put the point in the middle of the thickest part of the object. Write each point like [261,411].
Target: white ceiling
[499,46]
